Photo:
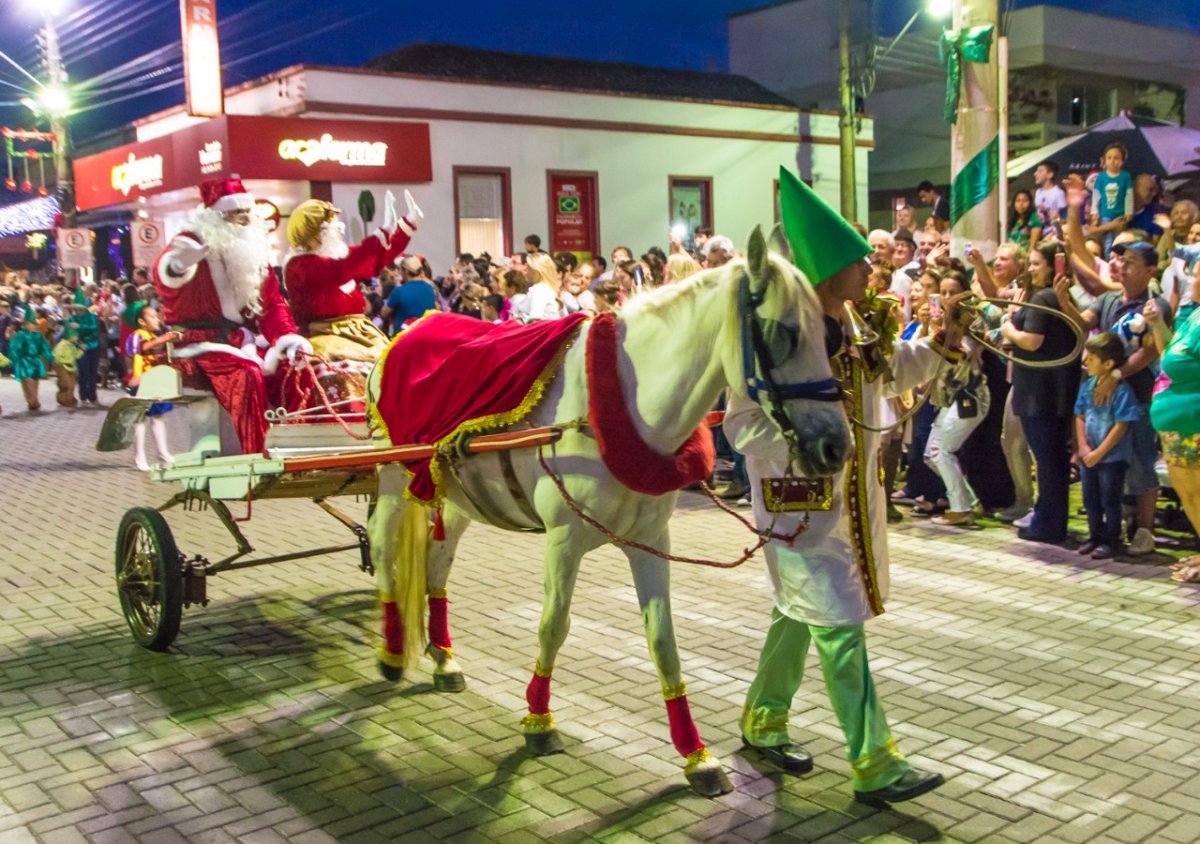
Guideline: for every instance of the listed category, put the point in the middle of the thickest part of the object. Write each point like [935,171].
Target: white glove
[186,253]
[389,212]
[293,347]
[414,211]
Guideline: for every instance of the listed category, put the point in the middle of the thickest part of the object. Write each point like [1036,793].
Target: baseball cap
[1141,248]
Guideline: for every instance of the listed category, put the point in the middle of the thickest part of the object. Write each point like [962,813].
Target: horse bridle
[756,353]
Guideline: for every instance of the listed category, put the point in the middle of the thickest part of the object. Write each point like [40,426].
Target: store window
[483,210]
[691,205]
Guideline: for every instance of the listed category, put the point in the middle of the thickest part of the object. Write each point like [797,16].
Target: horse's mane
[795,295]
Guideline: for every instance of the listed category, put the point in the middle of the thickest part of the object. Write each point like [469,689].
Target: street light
[54,99]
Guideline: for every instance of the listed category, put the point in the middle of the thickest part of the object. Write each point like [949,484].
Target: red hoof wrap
[684,734]
[538,695]
[439,622]
[393,628]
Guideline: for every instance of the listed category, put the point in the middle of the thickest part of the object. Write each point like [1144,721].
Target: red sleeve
[276,319]
[395,247]
[363,262]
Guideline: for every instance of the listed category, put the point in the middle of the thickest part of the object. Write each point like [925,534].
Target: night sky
[259,36]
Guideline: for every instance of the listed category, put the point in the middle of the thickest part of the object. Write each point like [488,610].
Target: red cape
[450,375]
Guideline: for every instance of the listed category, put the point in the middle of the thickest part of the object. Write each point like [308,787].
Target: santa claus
[322,274]
[220,295]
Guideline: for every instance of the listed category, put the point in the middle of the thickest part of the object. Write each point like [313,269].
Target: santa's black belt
[207,325]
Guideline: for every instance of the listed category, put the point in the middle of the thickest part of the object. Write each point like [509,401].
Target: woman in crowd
[1024,224]
[960,393]
[680,265]
[922,485]
[1044,399]
[514,288]
[545,285]
[1174,413]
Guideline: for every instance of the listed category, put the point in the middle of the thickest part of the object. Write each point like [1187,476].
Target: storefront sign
[142,173]
[573,220]
[283,148]
[75,249]
[149,240]
[201,57]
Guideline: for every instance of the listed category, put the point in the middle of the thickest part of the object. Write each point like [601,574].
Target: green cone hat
[132,313]
[30,313]
[80,299]
[822,241]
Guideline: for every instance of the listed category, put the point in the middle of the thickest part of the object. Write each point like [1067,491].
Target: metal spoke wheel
[149,578]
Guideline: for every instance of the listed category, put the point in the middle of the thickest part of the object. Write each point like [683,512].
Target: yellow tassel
[412,555]
[698,756]
[540,723]
[672,692]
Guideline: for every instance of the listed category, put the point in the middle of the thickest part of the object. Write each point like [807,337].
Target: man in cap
[321,273]
[833,576]
[219,293]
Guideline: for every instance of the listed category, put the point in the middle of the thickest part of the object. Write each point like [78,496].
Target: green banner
[975,180]
[967,45]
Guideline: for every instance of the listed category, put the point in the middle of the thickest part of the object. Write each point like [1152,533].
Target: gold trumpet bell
[860,333]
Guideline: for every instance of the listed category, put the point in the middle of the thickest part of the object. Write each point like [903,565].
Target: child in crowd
[67,352]
[1112,195]
[1050,200]
[30,353]
[1104,450]
[146,335]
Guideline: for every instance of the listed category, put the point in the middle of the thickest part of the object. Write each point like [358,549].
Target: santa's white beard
[239,253]
[333,241]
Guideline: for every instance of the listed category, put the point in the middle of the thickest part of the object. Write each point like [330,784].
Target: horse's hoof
[709,782]
[449,681]
[544,744]
[390,672]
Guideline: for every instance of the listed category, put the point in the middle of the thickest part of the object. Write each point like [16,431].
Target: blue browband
[754,350]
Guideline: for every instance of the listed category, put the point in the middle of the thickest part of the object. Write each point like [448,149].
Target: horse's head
[780,361]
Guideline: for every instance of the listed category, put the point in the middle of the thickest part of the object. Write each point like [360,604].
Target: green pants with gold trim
[843,653]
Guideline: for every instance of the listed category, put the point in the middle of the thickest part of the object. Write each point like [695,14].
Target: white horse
[679,347]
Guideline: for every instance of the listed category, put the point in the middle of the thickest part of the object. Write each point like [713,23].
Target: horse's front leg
[447,675]
[652,577]
[383,529]
[562,568]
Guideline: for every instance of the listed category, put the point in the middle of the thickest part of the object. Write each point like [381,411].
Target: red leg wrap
[439,527]
[393,628]
[683,729]
[538,695]
[439,622]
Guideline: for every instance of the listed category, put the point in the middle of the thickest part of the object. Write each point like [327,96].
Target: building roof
[468,64]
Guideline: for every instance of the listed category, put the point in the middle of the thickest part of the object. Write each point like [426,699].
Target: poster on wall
[75,249]
[691,207]
[573,224]
[149,240]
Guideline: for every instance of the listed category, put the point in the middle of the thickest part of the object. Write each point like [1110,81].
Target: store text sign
[283,148]
[201,57]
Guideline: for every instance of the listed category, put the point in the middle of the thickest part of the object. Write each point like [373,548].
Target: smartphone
[935,307]
[1060,264]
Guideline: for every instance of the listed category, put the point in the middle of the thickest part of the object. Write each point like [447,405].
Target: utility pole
[57,76]
[849,184]
[975,164]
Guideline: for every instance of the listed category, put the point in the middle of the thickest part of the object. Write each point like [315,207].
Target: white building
[494,146]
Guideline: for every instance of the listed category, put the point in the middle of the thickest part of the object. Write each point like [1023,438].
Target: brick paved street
[1061,698]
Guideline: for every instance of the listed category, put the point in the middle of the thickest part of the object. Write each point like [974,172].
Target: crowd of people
[1106,255]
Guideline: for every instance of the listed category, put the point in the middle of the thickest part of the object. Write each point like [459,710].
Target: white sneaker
[743,502]
[1142,543]
[1025,521]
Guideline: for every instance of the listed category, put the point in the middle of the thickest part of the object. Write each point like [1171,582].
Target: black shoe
[894,515]
[1088,547]
[791,758]
[732,492]
[914,783]
[1101,552]
[1029,536]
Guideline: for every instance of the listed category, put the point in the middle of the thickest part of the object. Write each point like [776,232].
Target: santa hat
[226,195]
[822,241]
[304,225]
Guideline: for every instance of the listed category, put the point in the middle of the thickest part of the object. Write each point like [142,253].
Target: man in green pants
[834,576]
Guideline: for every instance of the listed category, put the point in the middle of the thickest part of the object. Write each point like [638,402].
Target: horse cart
[314,456]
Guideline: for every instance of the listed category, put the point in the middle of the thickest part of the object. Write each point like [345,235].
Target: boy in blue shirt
[1112,196]
[1104,450]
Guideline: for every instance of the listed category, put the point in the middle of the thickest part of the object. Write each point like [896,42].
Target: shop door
[574,213]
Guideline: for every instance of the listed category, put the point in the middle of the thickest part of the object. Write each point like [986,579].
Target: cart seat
[298,440]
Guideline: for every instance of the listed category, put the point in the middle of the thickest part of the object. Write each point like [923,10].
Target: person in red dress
[322,275]
[220,296]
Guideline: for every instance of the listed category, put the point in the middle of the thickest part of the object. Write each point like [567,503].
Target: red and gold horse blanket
[450,375]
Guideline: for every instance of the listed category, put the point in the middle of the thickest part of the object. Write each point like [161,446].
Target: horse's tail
[412,556]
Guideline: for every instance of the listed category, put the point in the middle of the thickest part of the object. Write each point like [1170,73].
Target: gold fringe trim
[439,654]
[435,592]
[698,757]
[540,723]
[673,692]
[387,598]
[541,672]
[390,659]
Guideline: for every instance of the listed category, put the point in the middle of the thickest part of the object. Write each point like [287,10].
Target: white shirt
[543,303]
[1052,201]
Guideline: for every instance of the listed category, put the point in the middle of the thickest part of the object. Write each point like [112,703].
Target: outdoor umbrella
[1155,146]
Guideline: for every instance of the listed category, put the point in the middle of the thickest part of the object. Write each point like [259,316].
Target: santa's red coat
[321,288]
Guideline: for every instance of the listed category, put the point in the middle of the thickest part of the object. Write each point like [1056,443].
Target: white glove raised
[186,253]
[389,212]
[414,211]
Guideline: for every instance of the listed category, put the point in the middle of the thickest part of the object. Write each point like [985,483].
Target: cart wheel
[149,578]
